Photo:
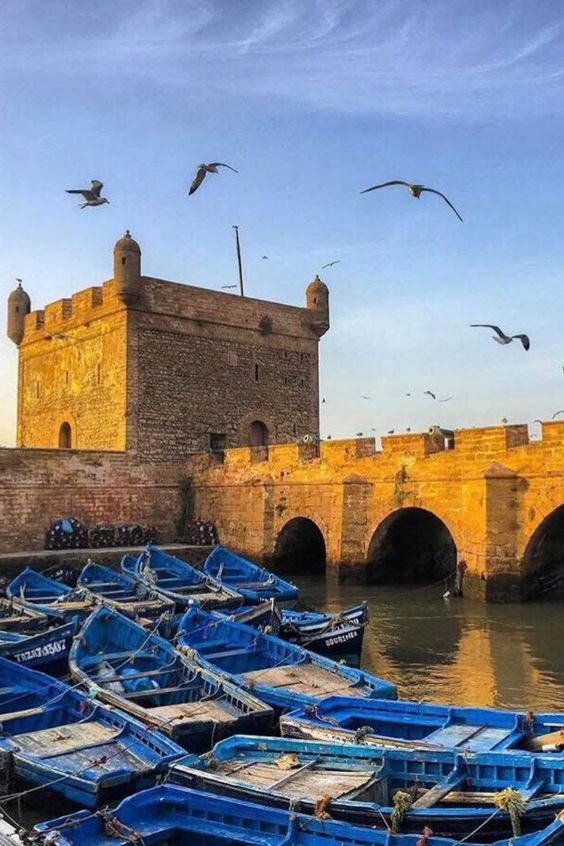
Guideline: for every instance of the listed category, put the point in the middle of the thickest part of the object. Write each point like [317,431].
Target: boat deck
[289,777]
[307,679]
[61,739]
[186,711]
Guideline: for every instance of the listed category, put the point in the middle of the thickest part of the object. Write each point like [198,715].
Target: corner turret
[127,269]
[317,300]
[19,304]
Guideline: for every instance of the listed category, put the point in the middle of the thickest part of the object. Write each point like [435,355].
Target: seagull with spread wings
[203,170]
[415,191]
[331,264]
[556,413]
[92,196]
[502,338]
[226,287]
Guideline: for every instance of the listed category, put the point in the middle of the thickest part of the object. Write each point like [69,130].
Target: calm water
[456,651]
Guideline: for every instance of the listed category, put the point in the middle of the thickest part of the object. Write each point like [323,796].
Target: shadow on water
[453,650]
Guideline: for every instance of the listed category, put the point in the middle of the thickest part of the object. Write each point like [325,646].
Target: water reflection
[454,650]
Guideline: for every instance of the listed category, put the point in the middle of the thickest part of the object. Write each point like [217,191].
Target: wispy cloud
[420,58]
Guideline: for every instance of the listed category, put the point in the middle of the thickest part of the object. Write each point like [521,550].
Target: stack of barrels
[69,533]
[200,533]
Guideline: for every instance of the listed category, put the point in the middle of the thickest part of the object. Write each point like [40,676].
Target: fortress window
[37,388]
[66,377]
[65,436]
[123,259]
[257,375]
[258,433]
[302,382]
[294,427]
[98,373]
[218,441]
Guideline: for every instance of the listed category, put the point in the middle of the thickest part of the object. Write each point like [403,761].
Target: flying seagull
[556,413]
[264,257]
[363,396]
[203,169]
[224,287]
[331,263]
[19,280]
[415,191]
[391,431]
[323,400]
[445,399]
[91,195]
[430,394]
[359,434]
[502,338]
[504,420]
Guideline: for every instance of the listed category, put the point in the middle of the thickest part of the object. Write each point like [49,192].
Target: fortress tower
[163,368]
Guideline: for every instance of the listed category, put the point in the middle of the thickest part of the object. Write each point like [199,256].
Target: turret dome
[127,244]
[316,287]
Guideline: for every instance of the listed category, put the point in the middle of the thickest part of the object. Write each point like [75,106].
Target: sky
[312,101]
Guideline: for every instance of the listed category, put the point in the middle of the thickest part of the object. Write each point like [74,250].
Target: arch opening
[258,433]
[65,436]
[300,546]
[411,546]
[543,561]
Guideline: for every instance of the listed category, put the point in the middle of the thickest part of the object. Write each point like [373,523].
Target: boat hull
[47,651]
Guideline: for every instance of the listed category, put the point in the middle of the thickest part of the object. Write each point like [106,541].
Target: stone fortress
[143,398]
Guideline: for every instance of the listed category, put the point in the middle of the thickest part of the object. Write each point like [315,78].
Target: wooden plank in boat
[439,791]
[185,711]
[535,744]
[307,781]
[46,743]
[304,678]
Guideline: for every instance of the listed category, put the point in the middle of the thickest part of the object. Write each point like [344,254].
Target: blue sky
[312,102]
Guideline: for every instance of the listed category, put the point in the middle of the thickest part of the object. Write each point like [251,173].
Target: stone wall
[72,368]
[39,486]
[492,492]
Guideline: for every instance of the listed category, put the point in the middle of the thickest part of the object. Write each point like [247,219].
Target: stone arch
[411,545]
[300,546]
[258,434]
[543,559]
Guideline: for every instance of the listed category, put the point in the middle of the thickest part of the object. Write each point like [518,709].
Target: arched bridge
[410,512]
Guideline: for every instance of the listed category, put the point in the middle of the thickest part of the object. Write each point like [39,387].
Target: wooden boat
[452,793]
[179,581]
[47,650]
[129,596]
[16,617]
[425,726]
[253,582]
[54,735]
[280,673]
[170,815]
[56,599]
[141,673]
[337,635]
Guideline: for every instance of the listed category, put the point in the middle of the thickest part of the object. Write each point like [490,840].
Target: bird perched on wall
[92,196]
[359,434]
[330,264]
[203,170]
[391,431]
[415,191]
[502,338]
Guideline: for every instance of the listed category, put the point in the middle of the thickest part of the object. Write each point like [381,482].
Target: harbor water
[452,650]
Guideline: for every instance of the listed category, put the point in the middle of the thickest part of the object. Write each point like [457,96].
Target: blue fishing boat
[179,581]
[129,596]
[253,582]
[170,815]
[338,635]
[54,598]
[16,617]
[280,673]
[55,736]
[141,673]
[429,726]
[47,650]
[404,789]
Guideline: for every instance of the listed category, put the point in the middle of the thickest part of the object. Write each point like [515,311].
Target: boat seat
[439,791]
[226,653]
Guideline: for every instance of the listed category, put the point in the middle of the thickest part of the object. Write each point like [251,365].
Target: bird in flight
[430,394]
[502,338]
[91,195]
[264,257]
[323,400]
[225,287]
[537,421]
[359,434]
[330,264]
[391,431]
[415,191]
[204,169]
[556,413]
[363,396]
[504,420]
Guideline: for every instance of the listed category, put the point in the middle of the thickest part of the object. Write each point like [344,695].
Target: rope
[402,804]
[512,802]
